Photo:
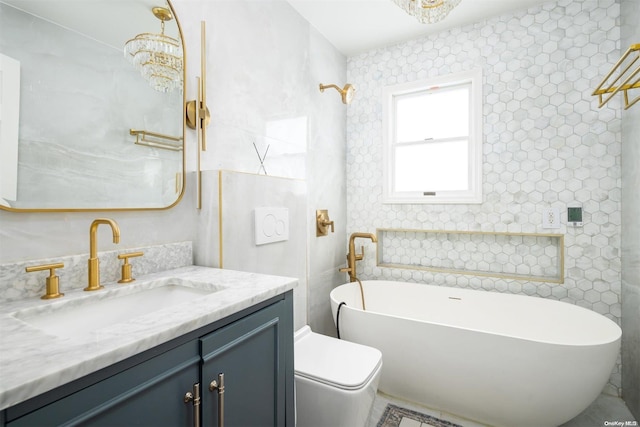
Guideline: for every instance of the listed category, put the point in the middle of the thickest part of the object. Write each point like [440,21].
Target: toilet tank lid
[334,362]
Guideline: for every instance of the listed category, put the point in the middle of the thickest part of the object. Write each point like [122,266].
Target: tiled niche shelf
[522,256]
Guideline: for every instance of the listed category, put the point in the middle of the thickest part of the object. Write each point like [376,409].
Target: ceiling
[352,26]
[108,21]
[355,26]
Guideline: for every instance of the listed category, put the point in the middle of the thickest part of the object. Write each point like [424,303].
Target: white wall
[233,223]
[546,144]
[265,63]
[630,16]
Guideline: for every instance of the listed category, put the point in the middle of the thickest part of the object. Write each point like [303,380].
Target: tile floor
[605,408]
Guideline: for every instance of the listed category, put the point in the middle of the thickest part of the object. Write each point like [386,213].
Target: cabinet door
[149,394]
[249,353]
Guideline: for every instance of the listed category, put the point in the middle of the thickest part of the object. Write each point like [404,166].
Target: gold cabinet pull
[195,398]
[52,289]
[126,267]
[219,386]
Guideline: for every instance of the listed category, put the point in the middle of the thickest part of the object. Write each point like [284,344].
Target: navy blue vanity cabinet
[248,357]
[244,372]
[147,394]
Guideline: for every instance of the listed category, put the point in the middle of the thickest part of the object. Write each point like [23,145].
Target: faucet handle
[52,289]
[323,223]
[360,256]
[126,267]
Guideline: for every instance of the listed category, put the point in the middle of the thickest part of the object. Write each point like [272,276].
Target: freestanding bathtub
[501,359]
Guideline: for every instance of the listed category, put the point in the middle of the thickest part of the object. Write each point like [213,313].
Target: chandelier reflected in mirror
[158,57]
[427,11]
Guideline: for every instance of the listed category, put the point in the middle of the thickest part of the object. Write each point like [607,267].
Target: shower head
[347,92]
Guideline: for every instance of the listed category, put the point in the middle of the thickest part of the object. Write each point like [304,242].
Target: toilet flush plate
[271,224]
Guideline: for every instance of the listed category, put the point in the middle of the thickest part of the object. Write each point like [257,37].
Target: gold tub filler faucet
[352,257]
[94,262]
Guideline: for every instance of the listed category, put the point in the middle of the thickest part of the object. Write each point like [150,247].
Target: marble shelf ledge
[32,362]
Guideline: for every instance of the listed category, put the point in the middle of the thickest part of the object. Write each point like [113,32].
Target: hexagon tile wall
[546,144]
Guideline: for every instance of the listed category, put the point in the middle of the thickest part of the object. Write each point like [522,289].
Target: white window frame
[389,94]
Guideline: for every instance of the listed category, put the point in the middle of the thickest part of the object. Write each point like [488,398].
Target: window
[432,135]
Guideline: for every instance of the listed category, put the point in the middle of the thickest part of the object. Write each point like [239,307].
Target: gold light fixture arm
[197,113]
[628,78]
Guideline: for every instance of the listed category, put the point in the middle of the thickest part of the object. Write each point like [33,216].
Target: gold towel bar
[157,140]
[624,81]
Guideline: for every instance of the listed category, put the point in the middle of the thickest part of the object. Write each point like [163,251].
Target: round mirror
[82,125]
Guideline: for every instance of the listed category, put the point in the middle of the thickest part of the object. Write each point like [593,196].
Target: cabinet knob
[52,289]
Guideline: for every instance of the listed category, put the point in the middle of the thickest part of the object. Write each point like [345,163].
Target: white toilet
[336,381]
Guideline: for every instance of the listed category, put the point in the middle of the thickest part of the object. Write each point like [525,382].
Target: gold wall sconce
[197,113]
[323,223]
[347,92]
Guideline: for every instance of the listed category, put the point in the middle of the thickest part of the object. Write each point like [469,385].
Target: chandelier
[427,11]
[158,57]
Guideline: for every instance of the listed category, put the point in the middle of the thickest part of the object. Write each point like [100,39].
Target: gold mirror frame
[180,175]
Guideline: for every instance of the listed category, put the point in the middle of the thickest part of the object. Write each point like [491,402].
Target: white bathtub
[505,360]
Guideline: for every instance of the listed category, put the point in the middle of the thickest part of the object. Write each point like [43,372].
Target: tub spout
[352,256]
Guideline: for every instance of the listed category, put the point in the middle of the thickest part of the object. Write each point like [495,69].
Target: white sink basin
[106,308]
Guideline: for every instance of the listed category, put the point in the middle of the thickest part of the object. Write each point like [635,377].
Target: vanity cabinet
[249,356]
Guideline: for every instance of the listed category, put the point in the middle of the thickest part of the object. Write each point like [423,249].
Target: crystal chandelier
[427,11]
[158,57]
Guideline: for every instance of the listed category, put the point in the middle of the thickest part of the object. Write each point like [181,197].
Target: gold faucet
[352,256]
[94,262]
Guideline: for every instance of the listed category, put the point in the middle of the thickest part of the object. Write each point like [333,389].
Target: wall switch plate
[551,218]
[271,225]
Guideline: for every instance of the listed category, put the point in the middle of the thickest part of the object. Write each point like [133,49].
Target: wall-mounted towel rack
[157,140]
[627,78]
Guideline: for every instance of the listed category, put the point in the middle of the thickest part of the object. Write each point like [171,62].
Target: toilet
[336,381]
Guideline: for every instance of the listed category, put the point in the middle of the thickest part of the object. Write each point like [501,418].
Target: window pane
[432,166]
[441,113]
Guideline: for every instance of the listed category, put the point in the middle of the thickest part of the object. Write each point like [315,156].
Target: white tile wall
[546,144]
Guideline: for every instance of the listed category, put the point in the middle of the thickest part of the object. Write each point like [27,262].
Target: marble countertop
[33,362]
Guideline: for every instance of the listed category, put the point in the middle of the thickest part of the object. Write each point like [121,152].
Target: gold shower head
[347,92]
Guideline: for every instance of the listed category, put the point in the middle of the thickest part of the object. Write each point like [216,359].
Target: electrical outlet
[550,218]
